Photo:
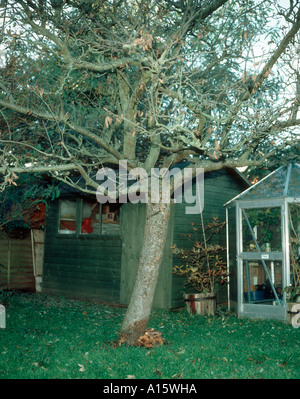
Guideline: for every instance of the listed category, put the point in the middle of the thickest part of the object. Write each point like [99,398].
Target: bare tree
[91,83]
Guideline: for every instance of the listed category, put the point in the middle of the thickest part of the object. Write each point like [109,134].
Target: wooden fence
[16,263]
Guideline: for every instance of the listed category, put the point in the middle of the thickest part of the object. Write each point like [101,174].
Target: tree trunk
[139,309]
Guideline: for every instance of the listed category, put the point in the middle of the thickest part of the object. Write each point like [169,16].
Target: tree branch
[261,78]
[38,168]
[66,121]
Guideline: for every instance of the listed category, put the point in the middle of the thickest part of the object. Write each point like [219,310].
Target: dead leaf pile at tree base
[150,339]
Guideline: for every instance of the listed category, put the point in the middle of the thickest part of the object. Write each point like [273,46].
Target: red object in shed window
[87,226]
[68,225]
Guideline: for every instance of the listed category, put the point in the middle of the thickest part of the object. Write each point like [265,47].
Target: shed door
[260,262]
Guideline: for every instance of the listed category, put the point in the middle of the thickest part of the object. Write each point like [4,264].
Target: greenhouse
[264,258]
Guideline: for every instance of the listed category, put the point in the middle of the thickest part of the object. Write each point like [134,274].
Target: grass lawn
[54,337]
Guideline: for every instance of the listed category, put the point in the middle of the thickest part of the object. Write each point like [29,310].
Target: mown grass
[53,337]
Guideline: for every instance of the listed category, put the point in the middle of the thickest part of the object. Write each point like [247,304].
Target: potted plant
[203,267]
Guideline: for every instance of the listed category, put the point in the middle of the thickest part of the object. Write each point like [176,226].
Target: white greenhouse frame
[249,200]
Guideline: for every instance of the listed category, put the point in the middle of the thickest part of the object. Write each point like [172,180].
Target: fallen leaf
[82,368]
[108,121]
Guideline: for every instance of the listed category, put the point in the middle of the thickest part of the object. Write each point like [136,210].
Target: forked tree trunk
[139,309]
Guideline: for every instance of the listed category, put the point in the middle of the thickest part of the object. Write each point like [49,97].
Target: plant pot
[203,304]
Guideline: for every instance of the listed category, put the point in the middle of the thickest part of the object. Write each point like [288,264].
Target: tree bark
[139,309]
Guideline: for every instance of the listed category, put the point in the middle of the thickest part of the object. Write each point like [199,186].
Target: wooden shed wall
[81,267]
[16,264]
[219,187]
[133,218]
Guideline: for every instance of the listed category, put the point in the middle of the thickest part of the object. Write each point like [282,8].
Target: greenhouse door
[260,261]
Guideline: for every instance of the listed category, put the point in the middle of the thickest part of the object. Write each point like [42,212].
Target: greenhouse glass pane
[266,228]
[256,285]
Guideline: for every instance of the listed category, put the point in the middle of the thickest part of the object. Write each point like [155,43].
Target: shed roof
[284,182]
[70,190]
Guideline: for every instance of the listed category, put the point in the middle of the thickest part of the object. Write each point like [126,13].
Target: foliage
[58,338]
[203,265]
[293,292]
[84,84]
[268,222]
[288,155]
[20,206]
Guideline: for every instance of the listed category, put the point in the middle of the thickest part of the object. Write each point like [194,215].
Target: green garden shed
[92,250]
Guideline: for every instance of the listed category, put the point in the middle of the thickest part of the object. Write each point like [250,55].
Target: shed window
[88,217]
[67,217]
[110,216]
